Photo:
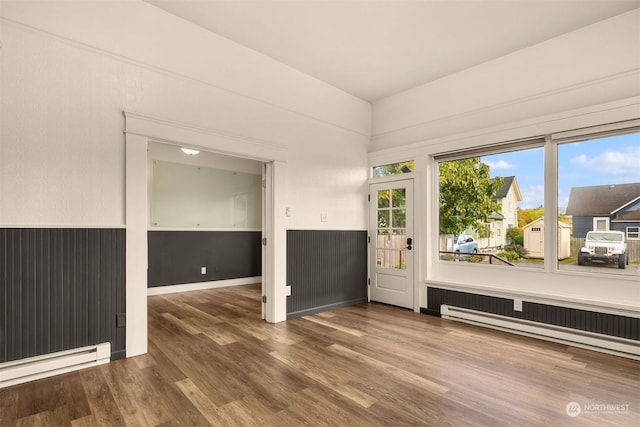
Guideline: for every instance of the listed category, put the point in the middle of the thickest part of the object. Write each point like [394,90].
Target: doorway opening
[140,130]
[206,213]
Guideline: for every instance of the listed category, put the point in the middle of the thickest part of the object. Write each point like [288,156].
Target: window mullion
[550,205]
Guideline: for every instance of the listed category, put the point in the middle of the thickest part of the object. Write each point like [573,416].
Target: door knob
[409,243]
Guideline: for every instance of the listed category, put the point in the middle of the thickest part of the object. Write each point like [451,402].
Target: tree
[525,216]
[466,195]
[515,236]
[393,169]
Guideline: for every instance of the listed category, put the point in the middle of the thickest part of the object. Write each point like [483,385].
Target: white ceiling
[376,48]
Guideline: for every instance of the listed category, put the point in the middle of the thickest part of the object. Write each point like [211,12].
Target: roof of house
[601,199]
[504,190]
[540,222]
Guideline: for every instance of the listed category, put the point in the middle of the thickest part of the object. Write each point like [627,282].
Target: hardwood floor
[212,361]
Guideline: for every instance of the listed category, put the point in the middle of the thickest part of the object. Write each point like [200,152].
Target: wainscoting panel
[61,289]
[177,257]
[325,269]
[583,320]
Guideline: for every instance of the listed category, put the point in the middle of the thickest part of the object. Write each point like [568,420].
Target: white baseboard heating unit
[33,368]
[604,343]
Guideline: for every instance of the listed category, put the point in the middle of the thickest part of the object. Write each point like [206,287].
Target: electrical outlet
[517,304]
[203,270]
[287,291]
[323,217]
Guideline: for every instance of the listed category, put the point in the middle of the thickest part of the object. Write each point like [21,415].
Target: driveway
[596,267]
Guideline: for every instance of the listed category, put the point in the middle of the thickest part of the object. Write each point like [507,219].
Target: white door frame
[139,130]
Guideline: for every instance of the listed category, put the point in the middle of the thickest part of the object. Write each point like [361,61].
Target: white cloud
[625,162]
[532,197]
[500,164]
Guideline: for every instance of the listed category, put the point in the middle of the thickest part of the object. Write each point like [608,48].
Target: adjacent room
[319,212]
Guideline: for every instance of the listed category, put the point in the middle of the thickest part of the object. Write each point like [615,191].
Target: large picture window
[599,195]
[492,203]
[491,207]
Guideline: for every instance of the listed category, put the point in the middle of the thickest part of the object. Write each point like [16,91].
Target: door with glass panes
[391,242]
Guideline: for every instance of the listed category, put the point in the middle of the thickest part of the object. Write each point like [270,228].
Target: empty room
[308,212]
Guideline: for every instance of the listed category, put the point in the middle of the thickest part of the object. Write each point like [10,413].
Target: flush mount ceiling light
[189,151]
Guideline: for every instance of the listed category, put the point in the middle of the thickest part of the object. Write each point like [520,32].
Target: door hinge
[368,197]
[368,281]
[264,241]
[368,239]
[264,299]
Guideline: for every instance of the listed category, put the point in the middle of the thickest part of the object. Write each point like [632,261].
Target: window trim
[595,132]
[637,233]
[490,149]
[596,219]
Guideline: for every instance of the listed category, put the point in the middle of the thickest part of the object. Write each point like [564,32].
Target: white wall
[593,65]
[212,181]
[198,198]
[173,153]
[69,69]
[584,78]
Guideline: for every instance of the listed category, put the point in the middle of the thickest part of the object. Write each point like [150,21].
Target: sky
[604,161]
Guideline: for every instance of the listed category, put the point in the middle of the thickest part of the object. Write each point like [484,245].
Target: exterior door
[391,243]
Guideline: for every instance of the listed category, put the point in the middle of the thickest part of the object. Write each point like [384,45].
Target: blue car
[465,243]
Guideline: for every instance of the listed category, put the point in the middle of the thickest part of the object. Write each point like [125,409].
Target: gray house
[605,207]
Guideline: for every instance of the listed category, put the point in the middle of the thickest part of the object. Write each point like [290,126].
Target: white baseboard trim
[172,289]
[47,365]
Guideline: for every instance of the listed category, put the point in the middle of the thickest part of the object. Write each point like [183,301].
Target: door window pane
[399,218]
[391,239]
[383,258]
[383,199]
[399,198]
[398,239]
[383,219]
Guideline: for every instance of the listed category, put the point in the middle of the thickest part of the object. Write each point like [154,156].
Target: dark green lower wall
[326,269]
[61,288]
[176,257]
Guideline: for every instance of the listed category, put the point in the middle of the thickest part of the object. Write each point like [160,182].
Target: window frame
[597,219]
[552,141]
[491,149]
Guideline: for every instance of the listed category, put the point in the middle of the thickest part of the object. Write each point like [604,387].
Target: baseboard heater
[604,343]
[33,368]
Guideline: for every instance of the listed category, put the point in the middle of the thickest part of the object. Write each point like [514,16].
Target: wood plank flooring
[212,361]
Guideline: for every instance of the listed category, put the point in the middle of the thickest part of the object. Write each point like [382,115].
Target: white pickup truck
[605,246]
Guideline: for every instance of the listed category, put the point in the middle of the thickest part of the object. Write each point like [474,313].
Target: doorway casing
[139,130]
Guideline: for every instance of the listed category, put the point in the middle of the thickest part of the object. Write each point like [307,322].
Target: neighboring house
[605,207]
[499,222]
